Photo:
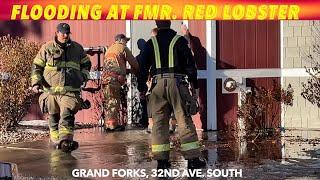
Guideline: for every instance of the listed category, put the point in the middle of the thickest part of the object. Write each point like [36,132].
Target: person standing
[146,114]
[60,68]
[114,77]
[143,120]
[170,60]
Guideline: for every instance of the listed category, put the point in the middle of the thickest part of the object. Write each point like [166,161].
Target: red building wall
[198,30]
[240,45]
[87,33]
[245,45]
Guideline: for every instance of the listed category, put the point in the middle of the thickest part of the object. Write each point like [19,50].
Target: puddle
[293,156]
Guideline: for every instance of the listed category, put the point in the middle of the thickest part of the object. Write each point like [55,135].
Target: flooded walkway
[296,155]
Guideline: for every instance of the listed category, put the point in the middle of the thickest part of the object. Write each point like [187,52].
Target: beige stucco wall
[298,37]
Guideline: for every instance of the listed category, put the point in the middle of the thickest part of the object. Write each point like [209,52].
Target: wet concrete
[295,155]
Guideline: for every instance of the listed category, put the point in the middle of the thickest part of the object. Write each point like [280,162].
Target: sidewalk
[294,156]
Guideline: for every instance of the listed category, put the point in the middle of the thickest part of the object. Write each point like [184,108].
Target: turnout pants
[166,97]
[112,107]
[61,111]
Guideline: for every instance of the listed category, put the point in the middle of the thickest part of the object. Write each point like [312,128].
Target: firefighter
[146,111]
[60,68]
[143,120]
[170,60]
[114,77]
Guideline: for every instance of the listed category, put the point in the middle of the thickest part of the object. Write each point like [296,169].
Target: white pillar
[130,93]
[281,65]
[211,75]
[283,146]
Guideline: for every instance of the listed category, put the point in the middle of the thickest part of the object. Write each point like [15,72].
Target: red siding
[225,52]
[262,54]
[87,33]
[246,45]
[226,107]
[240,44]
[250,39]
[273,48]
[198,30]
[200,119]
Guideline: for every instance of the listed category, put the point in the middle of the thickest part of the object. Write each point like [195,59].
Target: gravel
[17,136]
[32,131]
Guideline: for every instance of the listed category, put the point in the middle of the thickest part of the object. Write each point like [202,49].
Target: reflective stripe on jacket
[61,68]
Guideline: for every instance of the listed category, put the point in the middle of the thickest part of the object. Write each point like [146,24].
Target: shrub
[258,108]
[311,89]
[16,57]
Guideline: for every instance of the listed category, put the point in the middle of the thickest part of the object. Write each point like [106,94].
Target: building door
[249,45]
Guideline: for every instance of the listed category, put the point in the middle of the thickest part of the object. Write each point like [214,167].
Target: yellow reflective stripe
[55,158]
[36,77]
[54,134]
[84,60]
[65,131]
[172,43]
[39,62]
[72,64]
[190,146]
[156,52]
[69,64]
[160,147]
[60,89]
[86,73]
[51,68]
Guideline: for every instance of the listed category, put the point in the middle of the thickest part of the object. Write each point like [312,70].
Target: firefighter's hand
[91,53]
[142,95]
[201,106]
[36,89]
[197,98]
[195,93]
[184,29]
[122,79]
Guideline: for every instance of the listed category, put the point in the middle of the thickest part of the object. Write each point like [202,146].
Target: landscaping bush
[311,89]
[16,57]
[260,106]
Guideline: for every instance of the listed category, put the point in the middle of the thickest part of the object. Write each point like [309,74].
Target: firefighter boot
[110,125]
[113,125]
[196,163]
[163,164]
[67,146]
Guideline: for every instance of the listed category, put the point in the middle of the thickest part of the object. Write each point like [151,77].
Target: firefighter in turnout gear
[59,69]
[170,61]
[113,78]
